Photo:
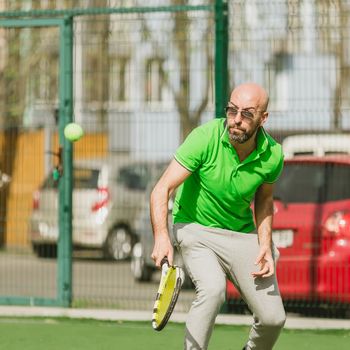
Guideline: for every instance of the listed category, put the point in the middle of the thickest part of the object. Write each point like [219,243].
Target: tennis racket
[168,291]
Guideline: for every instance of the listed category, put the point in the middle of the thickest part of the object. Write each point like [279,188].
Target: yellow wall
[26,176]
[28,173]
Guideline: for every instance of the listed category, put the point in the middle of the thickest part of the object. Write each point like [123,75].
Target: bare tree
[11,110]
[343,71]
[182,44]
[333,29]
[18,69]
[98,65]
[181,39]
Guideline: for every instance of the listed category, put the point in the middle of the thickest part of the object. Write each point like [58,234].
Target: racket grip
[164,264]
[164,261]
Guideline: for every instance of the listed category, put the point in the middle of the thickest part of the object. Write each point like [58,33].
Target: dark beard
[241,138]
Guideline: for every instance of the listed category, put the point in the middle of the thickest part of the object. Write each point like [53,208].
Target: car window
[338,187]
[304,153]
[84,178]
[301,183]
[331,153]
[134,176]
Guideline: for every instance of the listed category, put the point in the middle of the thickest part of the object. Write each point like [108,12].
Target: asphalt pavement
[106,290]
[97,283]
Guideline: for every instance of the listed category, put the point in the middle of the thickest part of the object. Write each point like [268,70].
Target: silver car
[107,196]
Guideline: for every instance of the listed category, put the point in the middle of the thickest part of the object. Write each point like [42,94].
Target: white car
[316,145]
[107,196]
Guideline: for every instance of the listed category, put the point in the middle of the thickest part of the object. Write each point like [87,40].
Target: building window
[119,90]
[154,80]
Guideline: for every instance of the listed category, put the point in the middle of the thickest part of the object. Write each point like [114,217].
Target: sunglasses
[233,111]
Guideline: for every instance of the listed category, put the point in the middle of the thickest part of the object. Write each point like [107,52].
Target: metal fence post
[221,56]
[64,287]
[221,71]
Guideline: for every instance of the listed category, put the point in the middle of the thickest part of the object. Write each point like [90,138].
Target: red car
[312,232]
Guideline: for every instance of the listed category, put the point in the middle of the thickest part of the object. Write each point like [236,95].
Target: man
[223,166]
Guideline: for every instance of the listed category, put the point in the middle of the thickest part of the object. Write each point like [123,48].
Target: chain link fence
[142,81]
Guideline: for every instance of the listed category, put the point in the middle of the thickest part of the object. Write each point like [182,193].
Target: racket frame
[174,297]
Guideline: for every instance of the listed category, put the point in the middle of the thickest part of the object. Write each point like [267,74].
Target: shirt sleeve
[192,151]
[275,174]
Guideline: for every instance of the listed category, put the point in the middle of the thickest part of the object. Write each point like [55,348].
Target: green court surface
[69,334]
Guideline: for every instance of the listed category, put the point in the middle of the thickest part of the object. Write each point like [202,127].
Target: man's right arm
[173,176]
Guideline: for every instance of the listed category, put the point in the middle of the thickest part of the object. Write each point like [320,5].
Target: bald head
[250,95]
[246,112]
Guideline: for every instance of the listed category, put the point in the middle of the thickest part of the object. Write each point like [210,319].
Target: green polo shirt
[221,188]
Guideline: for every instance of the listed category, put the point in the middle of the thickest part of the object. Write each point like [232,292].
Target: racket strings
[166,297]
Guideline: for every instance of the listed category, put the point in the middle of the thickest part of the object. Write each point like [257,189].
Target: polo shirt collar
[261,142]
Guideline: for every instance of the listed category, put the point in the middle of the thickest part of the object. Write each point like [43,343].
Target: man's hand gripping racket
[168,291]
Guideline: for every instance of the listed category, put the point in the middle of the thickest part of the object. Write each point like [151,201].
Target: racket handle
[164,264]
[164,261]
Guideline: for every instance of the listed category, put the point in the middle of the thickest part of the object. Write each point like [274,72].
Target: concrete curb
[131,315]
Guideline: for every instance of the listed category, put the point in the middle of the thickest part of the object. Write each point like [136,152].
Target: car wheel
[119,244]
[139,269]
[45,250]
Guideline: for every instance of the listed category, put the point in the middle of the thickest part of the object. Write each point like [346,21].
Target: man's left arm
[263,209]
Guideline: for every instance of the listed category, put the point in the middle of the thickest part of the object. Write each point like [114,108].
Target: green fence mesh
[143,78]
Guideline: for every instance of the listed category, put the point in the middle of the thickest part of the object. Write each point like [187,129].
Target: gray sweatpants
[212,255]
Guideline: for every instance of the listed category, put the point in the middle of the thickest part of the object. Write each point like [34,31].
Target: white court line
[293,322]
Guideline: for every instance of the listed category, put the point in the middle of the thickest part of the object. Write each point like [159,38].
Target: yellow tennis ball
[73,132]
